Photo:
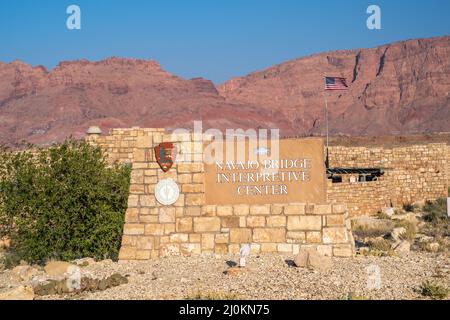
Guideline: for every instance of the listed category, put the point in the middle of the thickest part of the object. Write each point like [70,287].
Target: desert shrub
[62,202]
[353,296]
[434,290]
[435,211]
[382,215]
[379,245]
[411,230]
[371,232]
[409,207]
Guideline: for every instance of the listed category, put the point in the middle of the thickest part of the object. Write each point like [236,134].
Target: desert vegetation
[63,202]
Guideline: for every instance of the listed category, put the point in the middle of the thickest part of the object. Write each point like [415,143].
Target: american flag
[335,83]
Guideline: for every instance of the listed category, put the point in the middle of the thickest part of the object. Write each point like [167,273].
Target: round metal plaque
[167,192]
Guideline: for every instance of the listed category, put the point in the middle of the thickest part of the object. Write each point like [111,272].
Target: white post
[448,207]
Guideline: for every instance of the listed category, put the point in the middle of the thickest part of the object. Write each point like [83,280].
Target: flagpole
[327,162]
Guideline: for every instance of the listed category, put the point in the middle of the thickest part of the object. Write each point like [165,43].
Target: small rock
[301,260]
[19,293]
[57,268]
[23,273]
[389,211]
[402,248]
[84,262]
[116,280]
[311,259]
[433,247]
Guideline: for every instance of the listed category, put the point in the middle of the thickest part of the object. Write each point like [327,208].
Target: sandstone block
[240,235]
[149,219]
[185,178]
[137,188]
[269,247]
[299,236]
[222,238]
[147,200]
[298,209]
[195,199]
[179,237]
[230,222]
[154,229]
[188,249]
[166,215]
[209,210]
[335,235]
[198,178]
[143,254]
[206,224]
[132,215]
[193,211]
[284,248]
[144,243]
[133,200]
[224,211]
[169,228]
[261,235]
[133,229]
[190,167]
[276,221]
[335,221]
[313,237]
[127,253]
[221,249]
[304,223]
[277,209]
[323,209]
[241,210]
[144,142]
[256,222]
[208,241]
[260,209]
[129,241]
[195,237]
[184,225]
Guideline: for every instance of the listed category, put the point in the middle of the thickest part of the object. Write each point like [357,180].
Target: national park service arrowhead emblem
[165,155]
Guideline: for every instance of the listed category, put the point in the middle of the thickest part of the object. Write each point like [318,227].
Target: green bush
[62,202]
[435,211]
[434,290]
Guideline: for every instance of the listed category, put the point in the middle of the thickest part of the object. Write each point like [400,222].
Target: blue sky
[215,39]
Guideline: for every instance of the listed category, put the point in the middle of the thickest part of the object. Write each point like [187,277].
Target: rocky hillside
[402,88]
[42,107]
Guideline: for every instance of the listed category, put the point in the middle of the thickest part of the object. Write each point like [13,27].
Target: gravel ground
[268,277]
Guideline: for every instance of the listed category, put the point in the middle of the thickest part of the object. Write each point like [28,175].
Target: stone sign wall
[190,226]
[412,173]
